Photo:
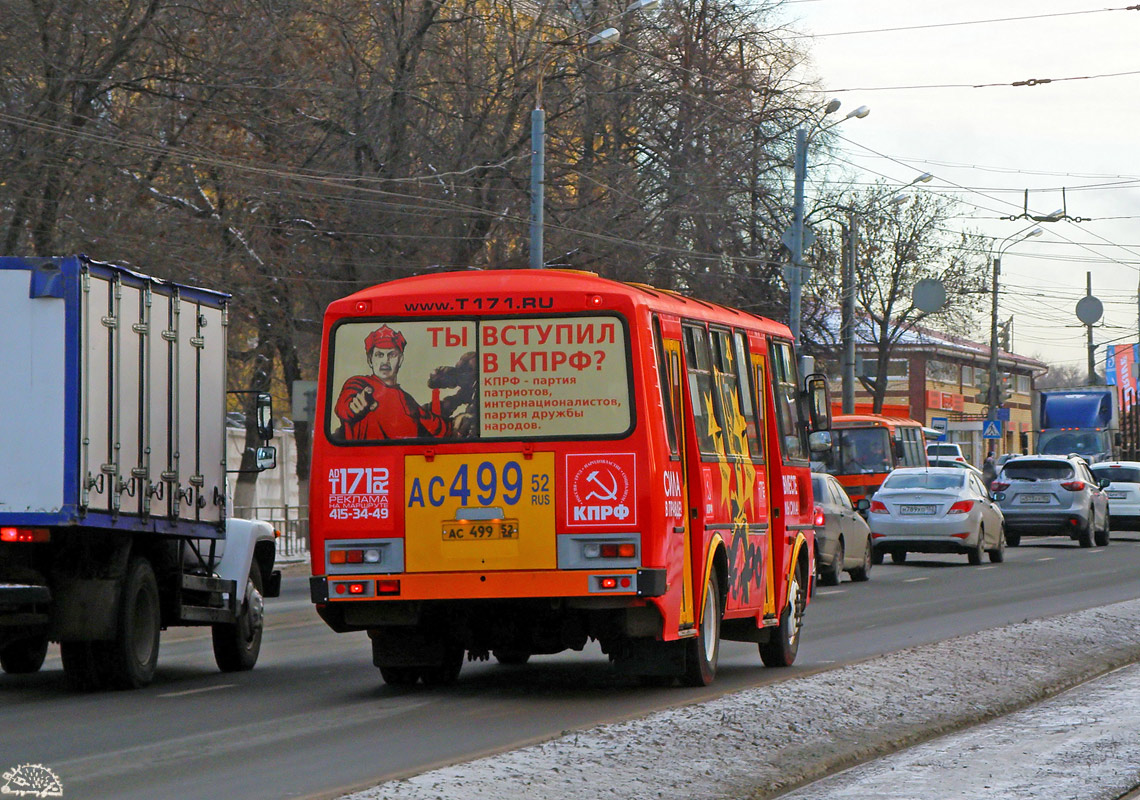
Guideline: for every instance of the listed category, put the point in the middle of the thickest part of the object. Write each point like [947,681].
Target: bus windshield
[857,451]
[475,379]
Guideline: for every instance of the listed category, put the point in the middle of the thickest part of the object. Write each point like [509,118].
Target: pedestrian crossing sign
[991,429]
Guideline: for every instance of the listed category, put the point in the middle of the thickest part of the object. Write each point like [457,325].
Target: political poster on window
[460,379]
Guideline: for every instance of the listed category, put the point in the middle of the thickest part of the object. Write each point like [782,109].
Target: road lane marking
[1047,558]
[991,566]
[199,691]
[915,580]
[830,591]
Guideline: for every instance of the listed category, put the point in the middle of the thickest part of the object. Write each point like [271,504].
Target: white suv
[945,450]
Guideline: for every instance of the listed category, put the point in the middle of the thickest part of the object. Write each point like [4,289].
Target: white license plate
[928,510]
[1035,498]
[1117,495]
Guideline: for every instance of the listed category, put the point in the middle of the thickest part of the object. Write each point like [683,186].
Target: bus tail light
[878,507]
[387,586]
[819,519]
[1073,486]
[961,507]
[38,535]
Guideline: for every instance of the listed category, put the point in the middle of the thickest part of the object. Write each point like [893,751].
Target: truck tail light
[1073,486]
[961,507]
[878,507]
[819,520]
[25,535]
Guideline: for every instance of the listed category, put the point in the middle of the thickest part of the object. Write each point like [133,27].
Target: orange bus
[510,463]
[866,447]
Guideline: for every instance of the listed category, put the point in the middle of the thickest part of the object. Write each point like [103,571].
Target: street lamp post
[795,243]
[847,307]
[992,389]
[538,142]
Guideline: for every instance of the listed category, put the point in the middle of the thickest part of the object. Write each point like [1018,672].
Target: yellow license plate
[466,531]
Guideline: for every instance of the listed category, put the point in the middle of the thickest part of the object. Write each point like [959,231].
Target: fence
[291,521]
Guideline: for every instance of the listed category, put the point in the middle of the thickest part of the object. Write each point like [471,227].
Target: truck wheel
[237,644]
[781,649]
[84,665]
[23,656]
[133,656]
[703,650]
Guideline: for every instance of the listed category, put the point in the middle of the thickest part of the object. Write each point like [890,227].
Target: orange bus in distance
[515,462]
[866,447]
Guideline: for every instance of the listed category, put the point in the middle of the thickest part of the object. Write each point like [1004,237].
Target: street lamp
[1006,243]
[795,275]
[538,141]
[847,296]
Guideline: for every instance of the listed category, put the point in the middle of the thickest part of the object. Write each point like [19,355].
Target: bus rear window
[470,379]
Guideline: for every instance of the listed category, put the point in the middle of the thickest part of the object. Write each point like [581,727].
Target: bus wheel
[400,676]
[781,649]
[237,644]
[446,672]
[511,658]
[703,651]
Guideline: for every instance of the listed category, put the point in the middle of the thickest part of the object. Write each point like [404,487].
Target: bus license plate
[928,510]
[480,530]
[1035,498]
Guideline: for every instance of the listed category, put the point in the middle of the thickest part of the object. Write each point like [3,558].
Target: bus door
[759,374]
[677,471]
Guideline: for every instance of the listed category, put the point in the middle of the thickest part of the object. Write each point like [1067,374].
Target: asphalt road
[314,718]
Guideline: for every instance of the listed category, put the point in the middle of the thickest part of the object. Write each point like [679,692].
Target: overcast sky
[941,101]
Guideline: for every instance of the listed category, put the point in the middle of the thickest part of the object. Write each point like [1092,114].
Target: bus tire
[25,655]
[703,651]
[400,676]
[781,649]
[132,657]
[237,644]
[447,671]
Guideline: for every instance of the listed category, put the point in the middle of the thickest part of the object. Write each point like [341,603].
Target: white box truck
[113,521]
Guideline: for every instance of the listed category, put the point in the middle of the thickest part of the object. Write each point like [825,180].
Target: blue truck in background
[1082,421]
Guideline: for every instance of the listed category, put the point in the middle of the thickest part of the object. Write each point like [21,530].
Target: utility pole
[847,318]
[795,273]
[1089,334]
[537,179]
[992,389]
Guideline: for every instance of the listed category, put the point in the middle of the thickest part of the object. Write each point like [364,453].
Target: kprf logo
[602,490]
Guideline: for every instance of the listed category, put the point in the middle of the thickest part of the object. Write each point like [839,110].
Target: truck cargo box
[110,388]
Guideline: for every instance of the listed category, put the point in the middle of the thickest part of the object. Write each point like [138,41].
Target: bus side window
[664,379]
[728,386]
[785,385]
[912,442]
[706,413]
[747,396]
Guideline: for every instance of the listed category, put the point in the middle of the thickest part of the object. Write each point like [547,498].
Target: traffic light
[1003,334]
[1004,389]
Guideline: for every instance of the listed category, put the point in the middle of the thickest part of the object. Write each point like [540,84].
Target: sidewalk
[1083,745]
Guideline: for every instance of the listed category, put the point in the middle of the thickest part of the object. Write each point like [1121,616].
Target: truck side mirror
[264,407]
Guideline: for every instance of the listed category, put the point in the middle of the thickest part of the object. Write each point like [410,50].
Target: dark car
[1047,495]
[842,538]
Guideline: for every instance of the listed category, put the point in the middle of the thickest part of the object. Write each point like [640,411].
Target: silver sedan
[935,510]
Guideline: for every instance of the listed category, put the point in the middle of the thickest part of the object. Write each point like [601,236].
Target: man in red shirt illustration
[375,407]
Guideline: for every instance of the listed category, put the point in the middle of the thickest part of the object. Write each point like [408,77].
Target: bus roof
[872,420]
[436,293]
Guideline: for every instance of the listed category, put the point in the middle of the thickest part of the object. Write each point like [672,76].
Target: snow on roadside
[762,741]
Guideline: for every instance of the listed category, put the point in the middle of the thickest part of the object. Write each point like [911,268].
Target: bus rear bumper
[488,585]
